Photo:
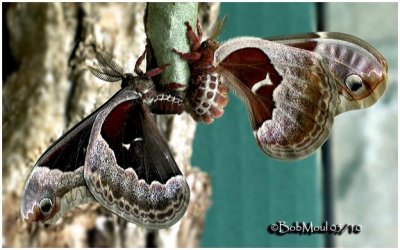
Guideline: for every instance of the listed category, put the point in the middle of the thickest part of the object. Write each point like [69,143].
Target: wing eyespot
[46,206]
[354,82]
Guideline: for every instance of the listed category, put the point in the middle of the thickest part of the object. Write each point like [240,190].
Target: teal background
[250,190]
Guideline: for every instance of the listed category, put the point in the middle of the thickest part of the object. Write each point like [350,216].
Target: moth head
[207,49]
[210,45]
[39,202]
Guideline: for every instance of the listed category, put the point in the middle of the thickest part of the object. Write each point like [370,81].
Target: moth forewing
[58,175]
[56,184]
[129,168]
[290,93]
[347,56]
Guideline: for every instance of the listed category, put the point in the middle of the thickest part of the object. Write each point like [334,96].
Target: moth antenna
[105,60]
[106,69]
[216,31]
[199,29]
[104,74]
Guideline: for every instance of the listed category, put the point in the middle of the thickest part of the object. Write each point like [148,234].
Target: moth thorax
[145,87]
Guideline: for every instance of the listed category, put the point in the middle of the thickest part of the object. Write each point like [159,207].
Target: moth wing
[289,93]
[351,61]
[58,176]
[129,168]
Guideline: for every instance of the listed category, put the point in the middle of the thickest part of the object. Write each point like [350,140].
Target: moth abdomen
[207,97]
[167,104]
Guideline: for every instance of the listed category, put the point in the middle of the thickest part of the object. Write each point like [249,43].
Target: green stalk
[166,30]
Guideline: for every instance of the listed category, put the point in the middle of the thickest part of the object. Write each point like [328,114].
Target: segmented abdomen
[207,97]
[166,104]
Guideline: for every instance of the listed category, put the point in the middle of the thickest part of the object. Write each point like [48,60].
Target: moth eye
[45,206]
[204,45]
[354,82]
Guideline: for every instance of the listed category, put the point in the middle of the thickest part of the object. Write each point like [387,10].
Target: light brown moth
[292,86]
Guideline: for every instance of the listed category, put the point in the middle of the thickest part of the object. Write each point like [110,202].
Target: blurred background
[356,180]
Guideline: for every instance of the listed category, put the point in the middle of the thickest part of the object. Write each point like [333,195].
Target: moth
[116,156]
[292,86]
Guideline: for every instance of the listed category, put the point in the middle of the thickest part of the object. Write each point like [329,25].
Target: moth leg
[190,56]
[156,71]
[194,39]
[149,73]
[195,42]
[139,61]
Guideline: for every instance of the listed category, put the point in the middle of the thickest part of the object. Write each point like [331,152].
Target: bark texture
[47,90]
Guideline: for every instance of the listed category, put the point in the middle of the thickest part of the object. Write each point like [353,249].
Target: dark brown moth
[292,86]
[116,156]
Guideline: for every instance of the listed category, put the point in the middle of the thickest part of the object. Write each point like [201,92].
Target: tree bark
[47,90]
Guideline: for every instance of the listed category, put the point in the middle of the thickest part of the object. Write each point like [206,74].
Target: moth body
[206,96]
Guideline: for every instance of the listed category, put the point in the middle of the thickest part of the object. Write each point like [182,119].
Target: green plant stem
[166,30]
